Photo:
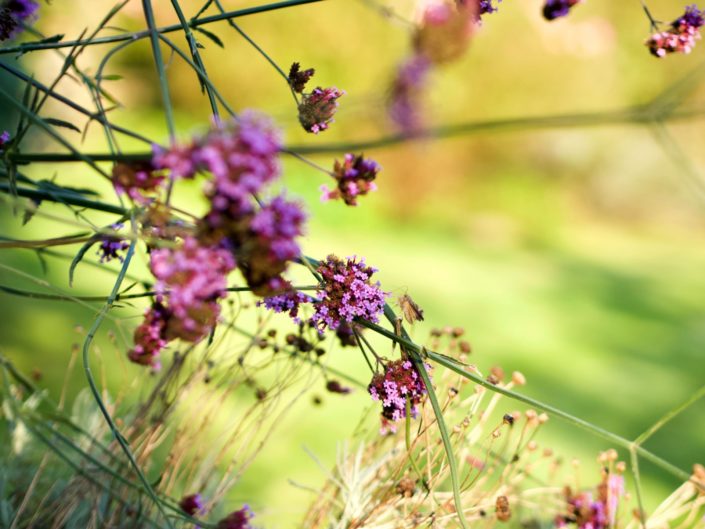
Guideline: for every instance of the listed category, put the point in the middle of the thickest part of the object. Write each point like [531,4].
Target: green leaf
[50,40]
[110,77]
[62,123]
[212,36]
[79,256]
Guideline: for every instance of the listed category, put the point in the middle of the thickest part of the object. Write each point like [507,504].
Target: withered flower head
[412,312]
[298,78]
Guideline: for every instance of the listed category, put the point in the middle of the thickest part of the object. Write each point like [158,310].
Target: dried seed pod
[502,509]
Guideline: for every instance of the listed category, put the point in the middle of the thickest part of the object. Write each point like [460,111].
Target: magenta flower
[191,279]
[238,519]
[192,504]
[317,109]
[355,176]
[150,337]
[347,293]
[400,382]
[406,92]
[681,37]
[289,301]
[111,245]
[554,9]
[4,140]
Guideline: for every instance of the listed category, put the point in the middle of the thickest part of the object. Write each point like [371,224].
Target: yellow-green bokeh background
[573,255]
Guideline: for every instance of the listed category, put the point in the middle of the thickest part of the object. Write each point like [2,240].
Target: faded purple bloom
[110,245]
[4,140]
[289,302]
[269,244]
[192,504]
[347,293]
[336,387]
[178,159]
[317,109]
[192,279]
[486,7]
[681,37]
[355,176]
[346,335]
[14,14]
[406,92]
[237,519]
[150,337]
[136,180]
[553,9]
[400,382]
[593,512]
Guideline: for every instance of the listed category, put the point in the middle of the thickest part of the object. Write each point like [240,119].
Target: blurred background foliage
[574,255]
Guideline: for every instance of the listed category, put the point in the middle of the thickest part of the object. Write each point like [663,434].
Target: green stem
[35,46]
[94,389]
[161,71]
[193,48]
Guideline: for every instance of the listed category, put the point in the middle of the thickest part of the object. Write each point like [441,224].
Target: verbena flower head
[298,78]
[241,154]
[192,504]
[238,519]
[355,176]
[406,92]
[4,139]
[588,511]
[445,30]
[150,337]
[347,293]
[192,279]
[270,244]
[137,180]
[400,382]
[554,9]
[13,14]
[289,301]
[681,37]
[317,109]
[486,7]
[111,245]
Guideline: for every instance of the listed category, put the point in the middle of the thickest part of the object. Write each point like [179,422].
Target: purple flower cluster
[13,15]
[289,301]
[317,109]
[554,9]
[270,243]
[406,92]
[355,176]
[589,512]
[681,36]
[191,279]
[241,154]
[347,293]
[4,140]
[239,519]
[192,504]
[111,245]
[400,382]
[150,337]
[486,7]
